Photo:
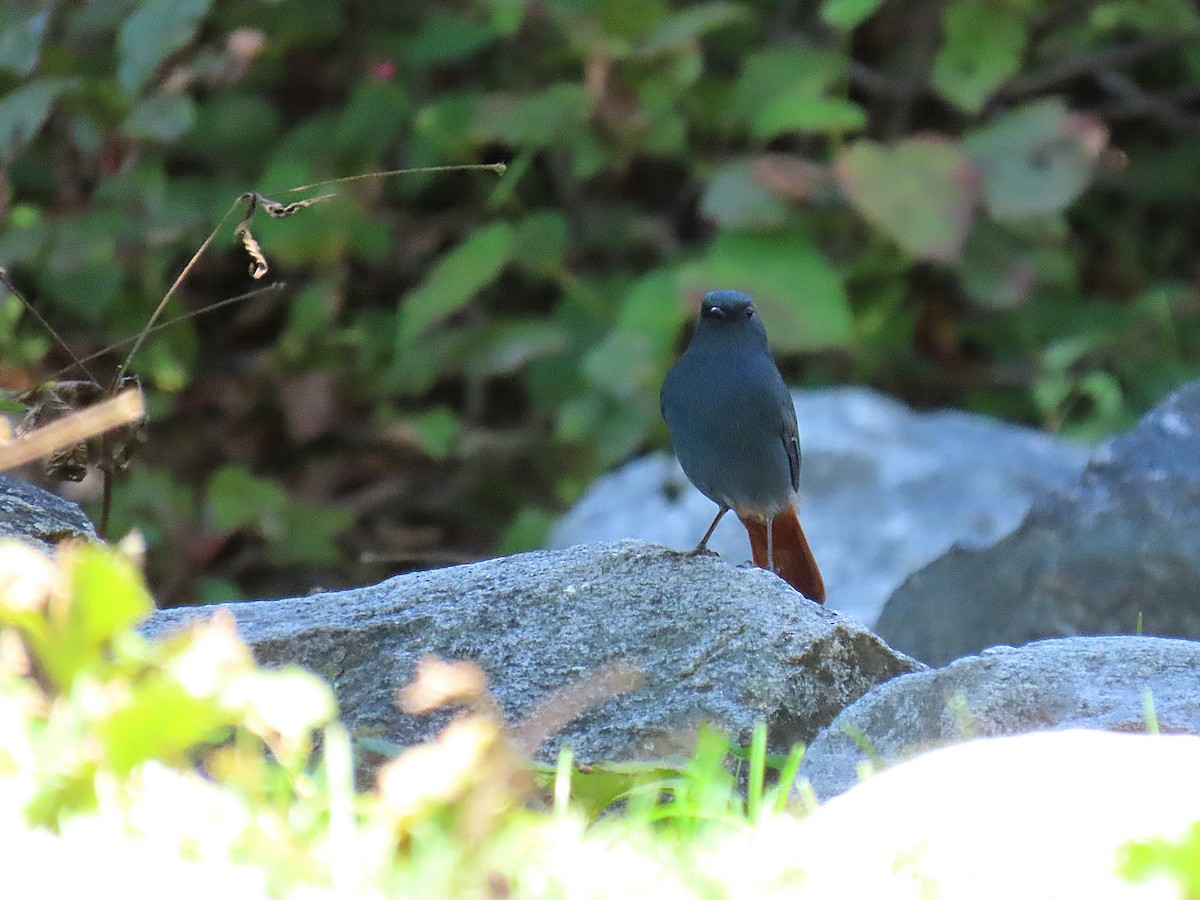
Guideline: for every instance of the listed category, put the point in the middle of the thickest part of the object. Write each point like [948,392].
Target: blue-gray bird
[733,425]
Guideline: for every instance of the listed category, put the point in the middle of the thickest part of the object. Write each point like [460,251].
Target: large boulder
[1117,551]
[713,643]
[38,517]
[1035,816]
[884,491]
[1110,683]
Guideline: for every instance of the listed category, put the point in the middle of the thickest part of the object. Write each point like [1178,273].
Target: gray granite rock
[1122,541]
[1038,816]
[1086,682]
[884,491]
[39,517]
[714,644]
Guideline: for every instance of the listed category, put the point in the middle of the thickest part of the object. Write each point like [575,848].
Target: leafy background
[987,204]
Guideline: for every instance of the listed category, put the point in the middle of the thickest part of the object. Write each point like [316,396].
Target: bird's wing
[789,432]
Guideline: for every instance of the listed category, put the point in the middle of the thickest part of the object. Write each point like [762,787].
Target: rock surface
[38,517]
[1096,682]
[714,643]
[1035,816]
[1123,540]
[884,490]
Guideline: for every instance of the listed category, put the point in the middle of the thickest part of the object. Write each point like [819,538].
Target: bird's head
[730,315]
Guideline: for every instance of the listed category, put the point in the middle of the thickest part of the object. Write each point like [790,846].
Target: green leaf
[1036,160]
[237,499]
[506,15]
[508,346]
[921,192]
[982,47]
[687,24]
[630,19]
[652,308]
[24,110]
[799,109]
[438,431]
[235,129]
[800,296]
[533,120]
[21,33]
[848,14]
[770,73]
[622,364]
[289,702]
[735,199]
[155,30]
[457,277]
[446,38]
[1174,859]
[161,118]
[998,270]
[306,535]
[108,596]
[371,119]
[541,242]
[1144,16]
[162,721]
[526,530]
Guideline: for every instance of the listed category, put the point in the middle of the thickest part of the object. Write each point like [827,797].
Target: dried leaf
[557,709]
[438,682]
[258,266]
[791,177]
[277,210]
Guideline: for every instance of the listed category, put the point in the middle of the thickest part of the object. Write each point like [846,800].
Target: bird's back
[727,409]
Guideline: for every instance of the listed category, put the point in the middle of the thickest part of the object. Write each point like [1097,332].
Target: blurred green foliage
[984,203]
[180,761]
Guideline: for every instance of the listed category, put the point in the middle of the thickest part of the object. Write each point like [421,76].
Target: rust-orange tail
[794,561]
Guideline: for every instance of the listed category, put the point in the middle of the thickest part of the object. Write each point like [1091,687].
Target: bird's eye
[749,312]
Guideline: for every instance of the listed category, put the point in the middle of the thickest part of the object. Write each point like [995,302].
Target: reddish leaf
[921,192]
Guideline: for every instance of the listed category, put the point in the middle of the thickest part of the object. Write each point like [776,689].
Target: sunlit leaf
[161,721]
[108,594]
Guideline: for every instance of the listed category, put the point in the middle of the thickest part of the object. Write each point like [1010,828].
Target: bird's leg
[702,547]
[771,545]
